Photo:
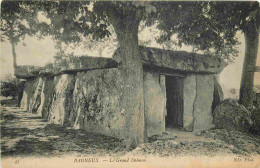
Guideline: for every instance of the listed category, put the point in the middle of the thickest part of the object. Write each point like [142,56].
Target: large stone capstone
[27,71]
[65,65]
[178,60]
[83,63]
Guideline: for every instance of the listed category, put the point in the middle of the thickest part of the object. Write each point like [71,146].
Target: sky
[32,51]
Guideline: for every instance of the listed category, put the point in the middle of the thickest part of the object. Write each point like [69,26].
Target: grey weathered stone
[86,92]
[46,97]
[203,102]
[155,103]
[178,60]
[49,70]
[20,91]
[232,116]
[23,102]
[83,63]
[257,100]
[62,103]
[189,95]
[28,99]
[60,66]
[218,95]
[27,71]
[35,99]
[97,102]
[152,57]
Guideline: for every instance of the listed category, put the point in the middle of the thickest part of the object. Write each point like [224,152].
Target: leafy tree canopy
[18,18]
[208,26]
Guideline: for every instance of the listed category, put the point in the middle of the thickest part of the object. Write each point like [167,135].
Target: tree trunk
[13,43]
[14,54]
[247,82]
[127,35]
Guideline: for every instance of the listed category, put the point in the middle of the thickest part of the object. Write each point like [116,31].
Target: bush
[9,88]
[256,121]
[230,115]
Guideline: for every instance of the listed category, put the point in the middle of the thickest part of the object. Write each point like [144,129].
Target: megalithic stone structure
[86,92]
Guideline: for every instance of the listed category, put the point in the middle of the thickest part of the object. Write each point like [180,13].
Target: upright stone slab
[35,99]
[62,103]
[203,102]
[97,102]
[189,95]
[23,102]
[20,92]
[218,95]
[28,99]
[155,103]
[46,97]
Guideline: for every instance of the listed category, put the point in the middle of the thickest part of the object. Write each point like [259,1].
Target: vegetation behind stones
[9,88]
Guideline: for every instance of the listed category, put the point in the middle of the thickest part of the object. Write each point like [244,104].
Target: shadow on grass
[24,134]
[54,140]
[9,102]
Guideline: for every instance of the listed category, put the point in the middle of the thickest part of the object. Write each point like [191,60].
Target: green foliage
[196,25]
[9,88]
[256,120]
[19,18]
[207,26]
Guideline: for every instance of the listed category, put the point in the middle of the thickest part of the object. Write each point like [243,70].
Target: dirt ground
[24,134]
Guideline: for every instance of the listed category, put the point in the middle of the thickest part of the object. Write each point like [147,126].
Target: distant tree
[17,21]
[241,16]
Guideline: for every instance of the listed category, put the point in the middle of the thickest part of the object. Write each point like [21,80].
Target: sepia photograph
[129,84]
